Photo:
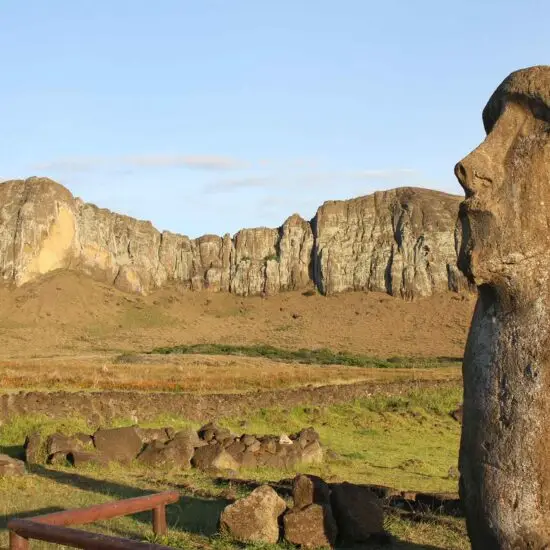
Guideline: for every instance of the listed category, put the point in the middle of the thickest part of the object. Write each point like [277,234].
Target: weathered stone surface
[309,489]
[148,435]
[34,452]
[85,458]
[248,440]
[310,527]
[357,511]
[175,453]
[214,457]
[400,241]
[189,435]
[505,251]
[10,467]
[312,454]
[122,444]
[85,440]
[60,443]
[254,518]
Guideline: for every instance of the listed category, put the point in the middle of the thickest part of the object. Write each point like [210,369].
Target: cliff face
[400,241]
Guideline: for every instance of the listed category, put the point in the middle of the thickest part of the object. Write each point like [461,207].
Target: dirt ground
[67,314]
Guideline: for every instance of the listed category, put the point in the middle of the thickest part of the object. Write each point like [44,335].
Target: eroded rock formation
[401,241]
[505,482]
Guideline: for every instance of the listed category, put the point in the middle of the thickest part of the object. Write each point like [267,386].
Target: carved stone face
[506,214]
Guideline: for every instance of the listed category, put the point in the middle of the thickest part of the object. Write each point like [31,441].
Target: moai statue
[505,251]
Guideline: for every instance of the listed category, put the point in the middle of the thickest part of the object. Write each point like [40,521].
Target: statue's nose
[464,175]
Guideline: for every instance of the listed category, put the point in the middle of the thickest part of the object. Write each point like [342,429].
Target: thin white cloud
[201,162]
[195,162]
[310,180]
[233,185]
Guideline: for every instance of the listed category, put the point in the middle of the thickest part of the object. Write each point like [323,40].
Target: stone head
[505,217]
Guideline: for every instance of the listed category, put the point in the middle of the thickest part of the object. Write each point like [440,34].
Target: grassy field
[408,442]
[216,368]
[321,356]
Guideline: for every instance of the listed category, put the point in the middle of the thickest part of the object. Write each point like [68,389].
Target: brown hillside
[70,314]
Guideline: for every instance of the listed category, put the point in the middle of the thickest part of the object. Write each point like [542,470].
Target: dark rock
[306,436]
[189,435]
[254,518]
[175,453]
[208,431]
[249,460]
[151,434]
[312,453]
[236,450]
[310,527]
[358,512]
[228,442]
[85,440]
[61,443]
[269,445]
[34,451]
[308,489]
[11,467]
[121,444]
[254,447]
[85,458]
[213,457]
[58,459]
[248,439]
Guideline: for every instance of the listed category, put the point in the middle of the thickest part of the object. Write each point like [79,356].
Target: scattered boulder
[357,511]
[58,459]
[60,443]
[248,440]
[85,458]
[213,457]
[148,435]
[191,436]
[164,447]
[310,527]
[10,467]
[121,444]
[312,453]
[34,452]
[249,460]
[309,489]
[254,518]
[254,447]
[175,453]
[85,440]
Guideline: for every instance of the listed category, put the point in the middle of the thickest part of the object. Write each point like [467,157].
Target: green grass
[408,442]
[308,356]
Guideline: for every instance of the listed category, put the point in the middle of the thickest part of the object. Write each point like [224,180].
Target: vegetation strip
[307,356]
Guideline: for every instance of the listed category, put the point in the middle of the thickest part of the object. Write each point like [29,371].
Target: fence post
[17,542]
[159,520]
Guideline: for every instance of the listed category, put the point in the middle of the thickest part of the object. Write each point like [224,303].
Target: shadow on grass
[192,514]
[15,451]
[29,514]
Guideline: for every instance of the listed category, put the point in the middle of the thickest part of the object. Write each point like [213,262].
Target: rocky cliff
[400,241]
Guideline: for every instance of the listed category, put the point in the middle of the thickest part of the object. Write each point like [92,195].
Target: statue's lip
[472,204]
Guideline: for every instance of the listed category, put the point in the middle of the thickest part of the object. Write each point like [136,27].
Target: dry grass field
[69,333]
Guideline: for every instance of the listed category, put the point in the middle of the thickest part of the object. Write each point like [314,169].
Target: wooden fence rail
[53,527]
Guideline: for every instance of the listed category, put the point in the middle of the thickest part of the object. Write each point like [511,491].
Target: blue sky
[205,116]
